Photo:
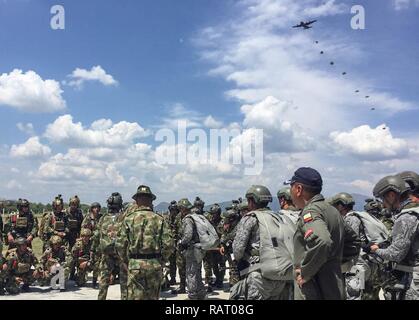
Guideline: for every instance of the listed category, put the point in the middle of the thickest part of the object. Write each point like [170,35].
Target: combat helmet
[390,183]
[56,240]
[284,193]
[244,205]
[215,209]
[58,201]
[95,205]
[412,179]
[230,215]
[259,194]
[115,201]
[85,232]
[22,203]
[20,241]
[344,198]
[198,203]
[173,206]
[372,205]
[75,200]
[144,190]
[184,203]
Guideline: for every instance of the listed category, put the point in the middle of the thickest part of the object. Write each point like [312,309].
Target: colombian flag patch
[308,233]
[307,217]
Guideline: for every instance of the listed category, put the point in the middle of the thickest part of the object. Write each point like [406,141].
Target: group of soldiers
[312,248]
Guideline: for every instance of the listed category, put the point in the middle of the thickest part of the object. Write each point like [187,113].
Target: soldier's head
[21,244]
[58,204]
[230,219]
[284,198]
[23,205]
[243,208]
[373,207]
[393,191]
[55,242]
[85,235]
[95,208]
[305,184]
[184,206]
[74,203]
[199,204]
[343,202]
[114,202]
[173,208]
[412,179]
[215,212]
[144,196]
[257,197]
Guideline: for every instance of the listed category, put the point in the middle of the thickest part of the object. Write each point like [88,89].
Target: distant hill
[359,201]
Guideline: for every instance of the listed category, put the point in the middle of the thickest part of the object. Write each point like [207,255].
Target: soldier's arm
[187,232]
[167,245]
[404,230]
[318,243]
[34,231]
[121,244]
[244,230]
[354,223]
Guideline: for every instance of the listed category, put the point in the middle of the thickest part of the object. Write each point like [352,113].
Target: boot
[172,281]
[94,284]
[25,288]
[179,290]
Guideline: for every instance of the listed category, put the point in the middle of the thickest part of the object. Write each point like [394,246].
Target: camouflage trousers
[234,275]
[12,281]
[108,264]
[196,289]
[256,287]
[144,281]
[181,265]
[214,262]
[172,266]
[413,291]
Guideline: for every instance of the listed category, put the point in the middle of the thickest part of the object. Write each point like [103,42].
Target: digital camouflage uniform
[196,289]
[145,242]
[404,249]
[318,248]
[104,244]
[82,257]
[19,269]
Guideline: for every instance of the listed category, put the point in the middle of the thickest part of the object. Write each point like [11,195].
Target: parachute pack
[208,237]
[374,229]
[276,245]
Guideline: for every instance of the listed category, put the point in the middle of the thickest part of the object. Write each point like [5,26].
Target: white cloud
[404,4]
[363,185]
[26,128]
[211,123]
[28,92]
[32,148]
[102,133]
[97,73]
[369,143]
[14,185]
[279,135]
[114,176]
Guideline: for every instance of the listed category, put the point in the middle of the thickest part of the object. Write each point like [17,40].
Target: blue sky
[238,62]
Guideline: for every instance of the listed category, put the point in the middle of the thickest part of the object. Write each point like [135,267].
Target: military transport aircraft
[305,25]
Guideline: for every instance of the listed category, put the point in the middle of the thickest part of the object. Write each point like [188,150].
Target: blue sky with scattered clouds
[79,107]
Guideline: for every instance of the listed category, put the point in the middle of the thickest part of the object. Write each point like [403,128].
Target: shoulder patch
[307,217]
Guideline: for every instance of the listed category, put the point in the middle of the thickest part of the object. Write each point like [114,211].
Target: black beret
[307,176]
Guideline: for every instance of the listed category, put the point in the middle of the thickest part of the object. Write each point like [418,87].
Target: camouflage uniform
[196,289]
[52,256]
[145,242]
[22,225]
[104,244]
[91,222]
[213,260]
[56,223]
[180,257]
[75,220]
[173,227]
[19,264]
[404,249]
[227,237]
[82,257]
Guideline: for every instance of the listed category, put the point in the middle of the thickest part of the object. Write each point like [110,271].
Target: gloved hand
[367,247]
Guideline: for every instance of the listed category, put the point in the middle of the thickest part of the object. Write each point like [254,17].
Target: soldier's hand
[83,265]
[4,267]
[61,234]
[30,238]
[222,251]
[374,248]
[10,238]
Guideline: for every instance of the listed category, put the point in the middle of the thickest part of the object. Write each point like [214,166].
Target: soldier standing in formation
[55,223]
[172,218]
[22,224]
[146,244]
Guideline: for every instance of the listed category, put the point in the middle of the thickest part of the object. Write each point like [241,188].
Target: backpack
[292,214]
[374,229]
[208,237]
[276,250]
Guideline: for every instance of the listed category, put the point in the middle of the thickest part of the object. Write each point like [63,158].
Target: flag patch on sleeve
[308,233]
[307,217]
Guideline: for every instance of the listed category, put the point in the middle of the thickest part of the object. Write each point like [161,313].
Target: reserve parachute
[374,229]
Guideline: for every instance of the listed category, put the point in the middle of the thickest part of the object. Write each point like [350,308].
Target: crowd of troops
[312,248]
